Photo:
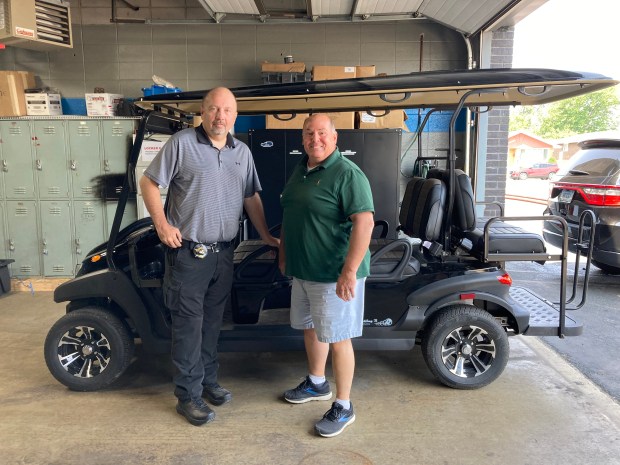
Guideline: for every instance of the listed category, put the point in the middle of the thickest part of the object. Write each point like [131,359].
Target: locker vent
[87,190]
[15,130]
[49,130]
[88,210]
[21,211]
[83,131]
[58,269]
[55,211]
[53,190]
[25,269]
[118,131]
[19,190]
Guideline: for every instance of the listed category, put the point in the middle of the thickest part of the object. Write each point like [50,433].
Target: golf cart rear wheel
[88,349]
[465,347]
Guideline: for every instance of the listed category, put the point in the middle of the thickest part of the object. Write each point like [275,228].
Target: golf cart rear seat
[503,238]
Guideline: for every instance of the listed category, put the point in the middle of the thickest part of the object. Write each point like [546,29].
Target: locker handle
[106,165]
[73,165]
[11,245]
[5,166]
[44,241]
[39,166]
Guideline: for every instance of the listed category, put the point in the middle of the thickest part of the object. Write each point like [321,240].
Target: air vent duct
[35,24]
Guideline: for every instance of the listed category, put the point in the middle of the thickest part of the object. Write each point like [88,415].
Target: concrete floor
[540,411]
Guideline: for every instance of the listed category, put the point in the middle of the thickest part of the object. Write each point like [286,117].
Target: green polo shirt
[317,207]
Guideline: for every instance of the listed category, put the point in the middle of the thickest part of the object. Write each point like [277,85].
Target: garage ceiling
[466,16]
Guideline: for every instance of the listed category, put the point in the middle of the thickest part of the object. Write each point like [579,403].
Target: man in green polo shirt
[326,229]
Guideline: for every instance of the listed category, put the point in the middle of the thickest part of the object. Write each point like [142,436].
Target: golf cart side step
[544,316]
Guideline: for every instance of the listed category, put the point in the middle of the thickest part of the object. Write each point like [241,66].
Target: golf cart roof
[433,89]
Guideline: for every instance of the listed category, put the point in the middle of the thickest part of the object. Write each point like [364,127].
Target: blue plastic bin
[155,89]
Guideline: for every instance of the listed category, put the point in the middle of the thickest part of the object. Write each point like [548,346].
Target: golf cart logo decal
[374,322]
[267,144]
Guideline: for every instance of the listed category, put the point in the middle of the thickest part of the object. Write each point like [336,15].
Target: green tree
[527,117]
[596,111]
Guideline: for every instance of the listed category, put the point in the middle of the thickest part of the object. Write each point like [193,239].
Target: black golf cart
[440,283]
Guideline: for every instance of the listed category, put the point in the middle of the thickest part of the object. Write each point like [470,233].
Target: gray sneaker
[308,391]
[335,420]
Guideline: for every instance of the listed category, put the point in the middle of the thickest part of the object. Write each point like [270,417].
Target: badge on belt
[200,250]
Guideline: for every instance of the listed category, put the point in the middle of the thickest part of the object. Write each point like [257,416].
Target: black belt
[201,250]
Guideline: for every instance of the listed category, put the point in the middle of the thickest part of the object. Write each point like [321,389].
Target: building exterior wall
[496,163]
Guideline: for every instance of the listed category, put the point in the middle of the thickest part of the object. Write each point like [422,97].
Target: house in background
[525,149]
[566,147]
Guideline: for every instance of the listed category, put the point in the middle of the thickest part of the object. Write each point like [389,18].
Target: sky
[575,35]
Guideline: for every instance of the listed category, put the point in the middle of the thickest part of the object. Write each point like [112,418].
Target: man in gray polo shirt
[211,178]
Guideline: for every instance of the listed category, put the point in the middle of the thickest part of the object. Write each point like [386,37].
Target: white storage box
[151,146]
[43,104]
[102,104]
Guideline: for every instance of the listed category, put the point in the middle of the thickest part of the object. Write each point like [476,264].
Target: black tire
[88,349]
[465,347]
[609,269]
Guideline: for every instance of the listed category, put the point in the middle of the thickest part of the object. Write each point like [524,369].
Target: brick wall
[497,138]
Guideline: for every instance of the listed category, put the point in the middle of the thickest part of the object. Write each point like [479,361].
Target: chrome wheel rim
[468,351]
[84,351]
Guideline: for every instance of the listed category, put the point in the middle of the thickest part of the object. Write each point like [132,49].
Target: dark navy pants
[195,292]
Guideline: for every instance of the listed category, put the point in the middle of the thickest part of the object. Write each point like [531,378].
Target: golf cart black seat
[503,238]
[420,217]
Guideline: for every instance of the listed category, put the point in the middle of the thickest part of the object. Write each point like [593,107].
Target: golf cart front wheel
[88,349]
[465,347]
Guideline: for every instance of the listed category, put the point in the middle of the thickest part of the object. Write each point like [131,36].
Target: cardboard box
[395,119]
[324,73]
[364,71]
[342,120]
[102,104]
[43,104]
[12,92]
[295,67]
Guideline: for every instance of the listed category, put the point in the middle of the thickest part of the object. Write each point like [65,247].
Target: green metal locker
[89,227]
[116,144]
[22,238]
[131,214]
[56,244]
[51,159]
[117,136]
[17,161]
[84,158]
[3,242]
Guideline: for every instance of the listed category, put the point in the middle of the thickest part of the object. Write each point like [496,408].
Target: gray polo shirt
[206,186]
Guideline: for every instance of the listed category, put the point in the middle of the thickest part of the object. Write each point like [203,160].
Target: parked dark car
[589,181]
[537,170]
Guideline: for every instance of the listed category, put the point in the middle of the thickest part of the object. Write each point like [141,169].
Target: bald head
[319,138]
[219,113]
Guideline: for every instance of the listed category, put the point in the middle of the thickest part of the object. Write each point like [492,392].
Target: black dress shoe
[216,394]
[195,411]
